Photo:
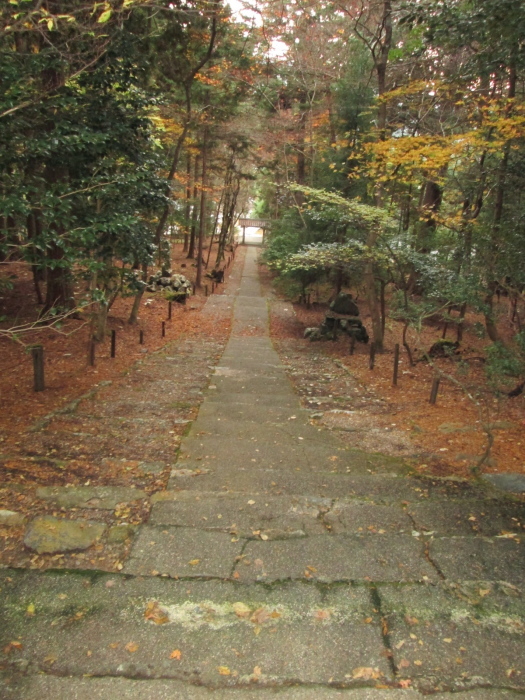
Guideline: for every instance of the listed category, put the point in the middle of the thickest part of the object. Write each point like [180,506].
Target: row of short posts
[37,351]
[371,363]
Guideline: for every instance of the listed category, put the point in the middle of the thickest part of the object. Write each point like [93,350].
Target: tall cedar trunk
[380,62]
[215,224]
[202,217]
[187,206]
[227,193]
[35,267]
[301,146]
[490,324]
[191,247]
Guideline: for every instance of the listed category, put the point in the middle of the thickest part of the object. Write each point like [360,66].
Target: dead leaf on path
[236,575]
[366,673]
[194,562]
[312,569]
[405,683]
[417,662]
[257,671]
[176,654]
[411,620]
[13,646]
[224,670]
[368,620]
[322,614]
[262,615]
[404,663]
[155,613]
[30,610]
[241,610]
[131,647]
[484,591]
[115,645]
[50,659]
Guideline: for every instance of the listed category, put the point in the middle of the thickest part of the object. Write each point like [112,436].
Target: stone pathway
[281,563]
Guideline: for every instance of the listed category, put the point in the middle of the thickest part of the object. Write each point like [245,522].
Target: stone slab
[38,687]
[182,552]
[512,483]
[103,497]
[479,559]
[47,534]
[242,515]
[469,518]
[227,635]
[441,640]
[336,558]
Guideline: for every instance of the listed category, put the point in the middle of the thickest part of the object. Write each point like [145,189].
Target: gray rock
[344,304]
[47,534]
[9,518]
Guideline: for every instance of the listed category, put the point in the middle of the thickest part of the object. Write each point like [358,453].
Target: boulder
[47,534]
[344,304]
[10,518]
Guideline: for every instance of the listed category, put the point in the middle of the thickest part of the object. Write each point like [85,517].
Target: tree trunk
[187,206]
[202,221]
[133,317]
[191,248]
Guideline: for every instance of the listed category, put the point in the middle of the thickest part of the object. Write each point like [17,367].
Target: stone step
[186,638]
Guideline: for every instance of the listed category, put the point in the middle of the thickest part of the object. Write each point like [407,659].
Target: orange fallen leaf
[224,670]
[176,654]
[194,562]
[236,575]
[131,647]
[322,615]
[405,683]
[404,663]
[155,613]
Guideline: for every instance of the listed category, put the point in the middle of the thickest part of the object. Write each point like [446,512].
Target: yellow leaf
[366,673]
[30,610]
[194,562]
[224,670]
[176,654]
[131,647]
[241,610]
[418,662]
[105,16]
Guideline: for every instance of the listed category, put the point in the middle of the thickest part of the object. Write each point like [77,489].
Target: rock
[120,533]
[10,518]
[103,497]
[313,333]
[47,534]
[344,304]
[512,483]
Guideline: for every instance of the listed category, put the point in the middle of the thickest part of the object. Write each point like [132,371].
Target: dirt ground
[445,439]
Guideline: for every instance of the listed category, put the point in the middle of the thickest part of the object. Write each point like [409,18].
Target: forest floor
[445,439]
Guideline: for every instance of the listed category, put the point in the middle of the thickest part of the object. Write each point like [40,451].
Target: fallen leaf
[448,640]
[417,662]
[257,671]
[194,562]
[312,569]
[155,613]
[400,644]
[131,647]
[176,654]
[322,614]
[404,663]
[484,591]
[368,620]
[251,503]
[366,673]
[259,616]
[241,610]
[263,536]
[50,659]
[12,646]
[236,575]
[224,670]
[30,610]
[115,645]
[411,620]
[405,683]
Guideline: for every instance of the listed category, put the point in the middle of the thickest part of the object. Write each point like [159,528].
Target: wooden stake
[38,367]
[169,311]
[372,356]
[141,337]
[92,351]
[352,344]
[205,290]
[396,364]
[164,329]
[113,343]
[434,390]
